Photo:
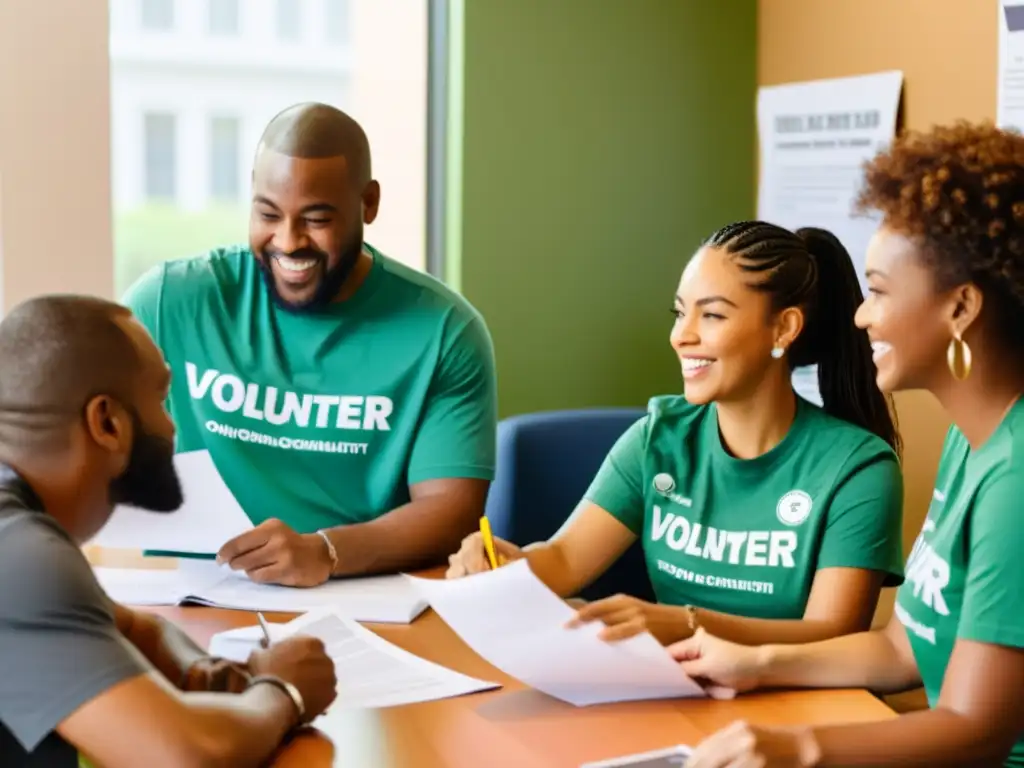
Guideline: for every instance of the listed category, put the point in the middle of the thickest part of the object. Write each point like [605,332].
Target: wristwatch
[288,688]
[331,551]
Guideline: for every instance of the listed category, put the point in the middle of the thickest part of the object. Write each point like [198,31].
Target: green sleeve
[143,299]
[993,605]
[865,521]
[458,432]
[618,486]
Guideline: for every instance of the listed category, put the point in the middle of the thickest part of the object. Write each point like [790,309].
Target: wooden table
[517,727]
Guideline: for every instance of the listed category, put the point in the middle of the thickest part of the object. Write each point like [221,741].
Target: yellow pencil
[485,531]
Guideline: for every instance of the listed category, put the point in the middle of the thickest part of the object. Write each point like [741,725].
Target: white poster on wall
[1010,74]
[814,138]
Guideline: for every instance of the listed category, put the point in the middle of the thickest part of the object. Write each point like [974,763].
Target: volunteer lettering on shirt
[965,571]
[747,536]
[322,419]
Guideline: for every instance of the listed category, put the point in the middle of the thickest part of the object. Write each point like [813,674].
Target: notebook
[375,599]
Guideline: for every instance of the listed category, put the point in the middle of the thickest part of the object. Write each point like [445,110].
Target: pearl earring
[778,352]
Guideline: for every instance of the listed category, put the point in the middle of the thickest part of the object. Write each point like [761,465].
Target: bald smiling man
[348,401]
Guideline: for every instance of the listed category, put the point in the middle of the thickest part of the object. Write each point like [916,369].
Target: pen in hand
[265,642]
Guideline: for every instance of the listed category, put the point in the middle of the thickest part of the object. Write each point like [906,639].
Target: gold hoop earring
[958,358]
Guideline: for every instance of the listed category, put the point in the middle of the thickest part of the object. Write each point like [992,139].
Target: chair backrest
[546,461]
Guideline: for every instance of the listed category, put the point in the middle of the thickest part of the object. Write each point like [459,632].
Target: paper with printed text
[374,673]
[814,138]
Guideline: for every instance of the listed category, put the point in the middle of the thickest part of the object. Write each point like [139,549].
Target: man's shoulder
[194,277]
[425,290]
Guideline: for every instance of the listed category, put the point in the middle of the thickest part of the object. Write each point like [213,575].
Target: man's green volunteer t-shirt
[327,418]
[746,537]
[965,574]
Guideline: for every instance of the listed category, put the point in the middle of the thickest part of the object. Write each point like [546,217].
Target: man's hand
[625,616]
[272,553]
[741,744]
[217,675]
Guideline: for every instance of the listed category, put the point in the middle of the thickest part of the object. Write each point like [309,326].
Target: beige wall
[389,98]
[54,149]
[947,52]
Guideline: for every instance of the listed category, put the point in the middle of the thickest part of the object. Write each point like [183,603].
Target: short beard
[330,284]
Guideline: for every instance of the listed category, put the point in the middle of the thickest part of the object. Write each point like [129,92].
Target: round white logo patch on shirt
[794,507]
[663,482]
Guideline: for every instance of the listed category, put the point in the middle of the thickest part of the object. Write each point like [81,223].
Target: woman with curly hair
[946,314]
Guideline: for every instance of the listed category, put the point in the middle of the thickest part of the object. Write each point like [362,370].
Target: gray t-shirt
[59,646]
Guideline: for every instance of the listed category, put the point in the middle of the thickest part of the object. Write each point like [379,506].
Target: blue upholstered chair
[545,464]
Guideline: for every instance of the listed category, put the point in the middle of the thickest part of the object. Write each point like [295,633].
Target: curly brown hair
[959,190]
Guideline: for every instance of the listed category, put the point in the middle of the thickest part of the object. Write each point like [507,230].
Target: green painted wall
[593,144]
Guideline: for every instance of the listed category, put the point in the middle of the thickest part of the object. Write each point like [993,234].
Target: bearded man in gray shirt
[83,428]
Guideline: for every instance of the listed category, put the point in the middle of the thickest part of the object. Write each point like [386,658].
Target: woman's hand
[625,616]
[472,557]
[741,745]
[723,668]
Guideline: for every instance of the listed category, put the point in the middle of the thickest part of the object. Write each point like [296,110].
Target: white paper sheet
[515,622]
[148,586]
[1010,73]
[383,599]
[373,673]
[209,516]
[237,644]
[814,138]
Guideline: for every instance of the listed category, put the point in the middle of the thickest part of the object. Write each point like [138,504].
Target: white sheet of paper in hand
[515,622]
[372,672]
[209,516]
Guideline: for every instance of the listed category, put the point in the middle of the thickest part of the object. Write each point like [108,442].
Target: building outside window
[157,15]
[223,19]
[225,150]
[186,115]
[160,131]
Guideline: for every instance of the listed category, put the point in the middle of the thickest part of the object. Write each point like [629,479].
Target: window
[336,21]
[289,19]
[223,17]
[158,15]
[224,159]
[160,140]
[186,115]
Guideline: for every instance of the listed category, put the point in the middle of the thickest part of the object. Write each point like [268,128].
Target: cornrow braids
[811,269]
[959,191]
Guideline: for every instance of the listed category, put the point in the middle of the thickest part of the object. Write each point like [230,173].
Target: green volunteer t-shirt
[322,419]
[965,574]
[746,537]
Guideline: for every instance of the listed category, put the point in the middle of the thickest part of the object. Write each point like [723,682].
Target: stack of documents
[385,599]
[519,625]
[374,673]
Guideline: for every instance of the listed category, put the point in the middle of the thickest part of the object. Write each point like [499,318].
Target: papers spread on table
[672,757]
[515,622]
[237,644]
[209,517]
[372,672]
[385,599]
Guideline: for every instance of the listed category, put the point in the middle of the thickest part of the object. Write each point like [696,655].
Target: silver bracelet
[288,688]
[331,551]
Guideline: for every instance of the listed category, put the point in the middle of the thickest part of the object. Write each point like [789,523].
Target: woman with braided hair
[763,517]
[945,314]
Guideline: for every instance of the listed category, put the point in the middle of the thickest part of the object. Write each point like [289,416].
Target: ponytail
[811,269]
[842,352]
